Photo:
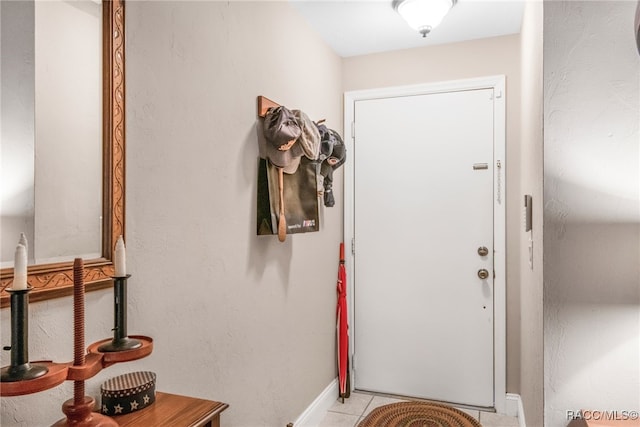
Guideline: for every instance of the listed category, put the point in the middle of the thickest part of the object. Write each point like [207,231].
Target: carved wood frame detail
[56,280]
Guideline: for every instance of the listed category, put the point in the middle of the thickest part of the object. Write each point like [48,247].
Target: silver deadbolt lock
[483,274]
[483,251]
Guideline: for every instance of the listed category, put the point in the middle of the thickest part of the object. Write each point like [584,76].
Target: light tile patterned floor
[356,407]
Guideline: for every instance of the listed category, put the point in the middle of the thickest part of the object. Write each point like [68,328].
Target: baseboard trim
[315,412]
[515,408]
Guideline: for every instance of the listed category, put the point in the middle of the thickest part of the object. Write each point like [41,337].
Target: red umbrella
[343,330]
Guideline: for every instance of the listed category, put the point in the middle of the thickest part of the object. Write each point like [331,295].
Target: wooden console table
[172,410]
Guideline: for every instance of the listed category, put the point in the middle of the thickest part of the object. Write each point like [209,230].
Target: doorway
[425,214]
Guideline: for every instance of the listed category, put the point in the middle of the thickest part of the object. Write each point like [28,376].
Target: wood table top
[172,410]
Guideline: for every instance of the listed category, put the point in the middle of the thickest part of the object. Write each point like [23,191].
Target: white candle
[20,268]
[120,261]
[23,242]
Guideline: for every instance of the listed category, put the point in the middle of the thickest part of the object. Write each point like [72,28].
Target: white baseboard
[514,408]
[315,412]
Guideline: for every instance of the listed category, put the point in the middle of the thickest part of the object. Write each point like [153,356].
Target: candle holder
[24,378]
[121,341]
[79,410]
[20,368]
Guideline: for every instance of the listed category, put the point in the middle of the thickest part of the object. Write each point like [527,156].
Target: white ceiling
[358,27]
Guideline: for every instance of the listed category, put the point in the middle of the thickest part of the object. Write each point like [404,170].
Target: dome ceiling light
[423,15]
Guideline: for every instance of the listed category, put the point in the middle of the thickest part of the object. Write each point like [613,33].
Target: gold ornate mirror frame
[56,280]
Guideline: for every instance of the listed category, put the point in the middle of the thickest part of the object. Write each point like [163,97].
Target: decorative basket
[128,393]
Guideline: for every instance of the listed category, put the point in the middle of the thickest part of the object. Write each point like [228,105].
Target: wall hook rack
[264,104]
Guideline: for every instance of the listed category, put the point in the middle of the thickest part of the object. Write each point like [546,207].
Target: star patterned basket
[128,393]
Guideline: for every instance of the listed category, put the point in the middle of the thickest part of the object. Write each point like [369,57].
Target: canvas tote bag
[300,199]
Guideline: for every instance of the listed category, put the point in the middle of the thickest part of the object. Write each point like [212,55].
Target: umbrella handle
[342,252]
[282,221]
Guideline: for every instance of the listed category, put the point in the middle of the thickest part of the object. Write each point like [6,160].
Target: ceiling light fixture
[423,15]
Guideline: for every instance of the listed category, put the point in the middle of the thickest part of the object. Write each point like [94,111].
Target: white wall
[477,58]
[17,130]
[235,317]
[531,182]
[591,191]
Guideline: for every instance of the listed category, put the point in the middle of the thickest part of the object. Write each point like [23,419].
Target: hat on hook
[309,142]
[336,159]
[327,141]
[338,154]
[281,130]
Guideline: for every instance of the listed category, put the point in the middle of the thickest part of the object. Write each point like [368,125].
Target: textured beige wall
[494,56]
[531,182]
[592,207]
[235,317]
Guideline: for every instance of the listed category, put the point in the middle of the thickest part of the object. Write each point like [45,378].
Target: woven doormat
[418,414]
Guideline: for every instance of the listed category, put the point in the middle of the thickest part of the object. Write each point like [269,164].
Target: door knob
[483,251]
[483,273]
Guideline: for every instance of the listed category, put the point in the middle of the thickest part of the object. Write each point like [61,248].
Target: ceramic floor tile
[335,419]
[474,413]
[490,419]
[354,405]
[378,401]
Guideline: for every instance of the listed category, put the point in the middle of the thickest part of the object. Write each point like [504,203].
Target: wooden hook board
[264,104]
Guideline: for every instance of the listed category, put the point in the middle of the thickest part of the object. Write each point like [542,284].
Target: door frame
[497,83]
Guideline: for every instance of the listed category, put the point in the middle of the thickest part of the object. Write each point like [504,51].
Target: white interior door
[423,208]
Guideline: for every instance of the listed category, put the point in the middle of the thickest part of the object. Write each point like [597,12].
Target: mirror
[53,278]
[51,167]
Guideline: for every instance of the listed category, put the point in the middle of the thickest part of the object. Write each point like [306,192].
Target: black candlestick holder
[121,341]
[20,368]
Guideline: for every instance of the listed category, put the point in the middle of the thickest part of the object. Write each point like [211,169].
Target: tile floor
[356,407]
